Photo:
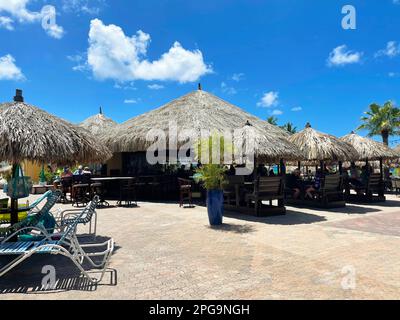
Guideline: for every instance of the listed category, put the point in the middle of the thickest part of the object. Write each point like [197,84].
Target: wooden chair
[185,191]
[331,190]
[374,190]
[66,187]
[232,189]
[266,189]
[396,186]
[127,193]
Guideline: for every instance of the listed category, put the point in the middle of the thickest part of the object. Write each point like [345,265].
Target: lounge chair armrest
[94,245]
[41,230]
[62,214]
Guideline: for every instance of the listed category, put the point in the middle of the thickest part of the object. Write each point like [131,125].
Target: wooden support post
[382,189]
[14,202]
[282,166]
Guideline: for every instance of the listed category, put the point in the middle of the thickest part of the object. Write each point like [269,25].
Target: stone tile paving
[164,252]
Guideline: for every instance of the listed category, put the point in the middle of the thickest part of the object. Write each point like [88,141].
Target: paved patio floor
[164,252]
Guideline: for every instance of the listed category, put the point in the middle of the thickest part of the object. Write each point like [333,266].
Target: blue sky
[268,57]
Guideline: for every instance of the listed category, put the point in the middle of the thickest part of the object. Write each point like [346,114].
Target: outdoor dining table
[110,180]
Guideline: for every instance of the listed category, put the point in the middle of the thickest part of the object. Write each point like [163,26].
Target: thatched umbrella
[197,111]
[266,147]
[397,150]
[321,147]
[29,133]
[98,124]
[369,149]
[318,146]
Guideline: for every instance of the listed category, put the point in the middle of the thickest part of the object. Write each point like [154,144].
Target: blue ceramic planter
[215,206]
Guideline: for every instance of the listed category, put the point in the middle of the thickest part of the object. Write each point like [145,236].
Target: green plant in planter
[213,176]
[49,177]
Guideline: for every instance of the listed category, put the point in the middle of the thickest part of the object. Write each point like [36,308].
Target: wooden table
[112,179]
[45,188]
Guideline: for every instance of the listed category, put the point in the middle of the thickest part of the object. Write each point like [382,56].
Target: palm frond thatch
[29,133]
[196,111]
[98,124]
[368,148]
[318,146]
[267,148]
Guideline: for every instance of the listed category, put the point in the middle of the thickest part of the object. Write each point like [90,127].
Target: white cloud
[130,101]
[9,70]
[269,99]
[6,23]
[392,49]
[237,77]
[227,89]
[79,59]
[17,10]
[341,56]
[393,74]
[297,109]
[91,7]
[113,55]
[276,112]
[155,86]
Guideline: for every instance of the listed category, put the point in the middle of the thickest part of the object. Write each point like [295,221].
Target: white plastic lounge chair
[87,216]
[67,245]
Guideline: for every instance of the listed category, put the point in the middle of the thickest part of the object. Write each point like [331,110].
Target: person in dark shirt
[316,186]
[293,183]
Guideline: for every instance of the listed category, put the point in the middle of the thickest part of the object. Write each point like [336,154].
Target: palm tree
[273,120]
[289,127]
[382,120]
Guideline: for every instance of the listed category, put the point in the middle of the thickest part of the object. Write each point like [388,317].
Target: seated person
[66,173]
[87,171]
[231,171]
[316,185]
[293,182]
[272,173]
[79,171]
[262,171]
[355,179]
[365,172]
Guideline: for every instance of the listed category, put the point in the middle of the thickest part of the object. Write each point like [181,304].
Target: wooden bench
[329,195]
[267,189]
[331,192]
[396,186]
[373,191]
[232,190]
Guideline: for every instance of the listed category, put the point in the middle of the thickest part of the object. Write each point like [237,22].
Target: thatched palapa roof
[29,133]
[318,146]
[369,149]
[197,111]
[397,150]
[267,148]
[98,124]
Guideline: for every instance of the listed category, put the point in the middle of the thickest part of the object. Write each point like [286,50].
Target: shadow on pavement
[27,277]
[234,228]
[291,218]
